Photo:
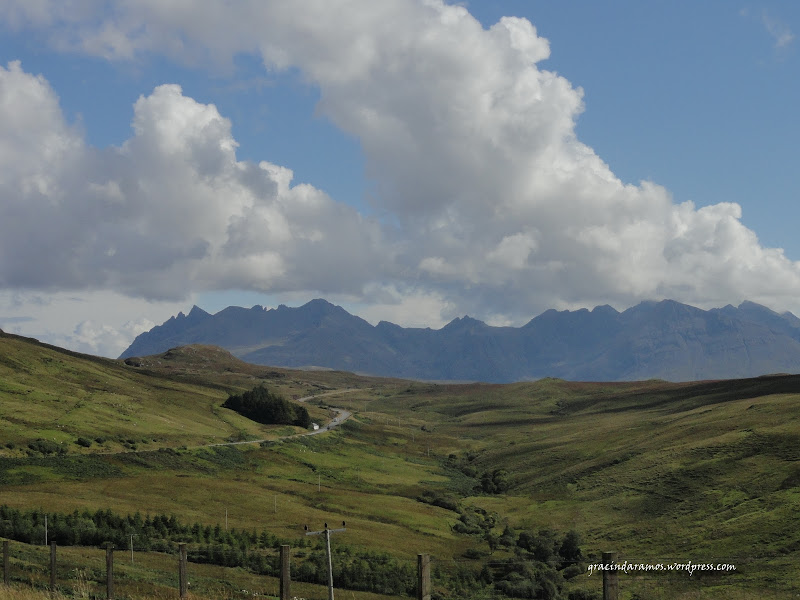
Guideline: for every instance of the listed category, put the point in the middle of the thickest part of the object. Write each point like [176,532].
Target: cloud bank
[169,212]
[487,202]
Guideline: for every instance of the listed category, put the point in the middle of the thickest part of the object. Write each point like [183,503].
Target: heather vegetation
[512,489]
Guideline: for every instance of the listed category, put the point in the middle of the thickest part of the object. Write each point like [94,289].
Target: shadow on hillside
[685,396]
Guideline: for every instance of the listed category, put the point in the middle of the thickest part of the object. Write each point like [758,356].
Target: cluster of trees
[359,570]
[263,406]
[252,550]
[494,481]
[544,559]
[541,560]
[160,533]
[539,567]
[46,447]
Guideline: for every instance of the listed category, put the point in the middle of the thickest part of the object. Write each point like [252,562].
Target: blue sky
[445,162]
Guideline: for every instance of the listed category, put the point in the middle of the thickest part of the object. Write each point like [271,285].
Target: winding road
[341,416]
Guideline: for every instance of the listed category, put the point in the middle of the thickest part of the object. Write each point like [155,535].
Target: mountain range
[666,340]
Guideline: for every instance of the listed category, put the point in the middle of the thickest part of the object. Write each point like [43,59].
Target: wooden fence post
[52,566]
[285,574]
[5,562]
[109,571]
[610,578]
[423,577]
[182,570]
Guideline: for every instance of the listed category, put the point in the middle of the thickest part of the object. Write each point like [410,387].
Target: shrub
[570,547]
[494,482]
[44,446]
[431,497]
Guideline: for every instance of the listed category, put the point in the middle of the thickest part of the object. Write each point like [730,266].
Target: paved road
[341,416]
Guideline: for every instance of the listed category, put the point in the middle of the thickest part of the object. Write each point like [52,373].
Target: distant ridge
[654,339]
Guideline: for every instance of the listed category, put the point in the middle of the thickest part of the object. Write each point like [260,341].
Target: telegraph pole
[328,533]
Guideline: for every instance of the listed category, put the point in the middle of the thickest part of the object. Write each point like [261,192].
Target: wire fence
[81,572]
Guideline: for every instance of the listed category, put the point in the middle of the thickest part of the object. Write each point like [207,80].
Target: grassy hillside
[657,472]
[47,393]
[652,470]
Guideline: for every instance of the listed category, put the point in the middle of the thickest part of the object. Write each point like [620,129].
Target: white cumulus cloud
[492,204]
[170,212]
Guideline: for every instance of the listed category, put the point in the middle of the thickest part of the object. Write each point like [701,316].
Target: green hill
[60,397]
[658,472]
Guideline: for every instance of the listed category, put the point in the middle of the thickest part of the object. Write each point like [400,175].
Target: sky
[410,160]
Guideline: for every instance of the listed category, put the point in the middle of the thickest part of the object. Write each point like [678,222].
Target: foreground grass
[81,574]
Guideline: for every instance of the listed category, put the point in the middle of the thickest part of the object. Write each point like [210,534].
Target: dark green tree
[263,406]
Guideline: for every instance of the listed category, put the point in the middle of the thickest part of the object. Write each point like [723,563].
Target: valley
[656,471]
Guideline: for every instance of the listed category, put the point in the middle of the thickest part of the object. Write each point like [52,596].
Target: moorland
[513,489]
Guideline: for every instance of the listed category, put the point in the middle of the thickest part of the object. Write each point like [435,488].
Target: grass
[81,573]
[47,393]
[693,471]
[656,471]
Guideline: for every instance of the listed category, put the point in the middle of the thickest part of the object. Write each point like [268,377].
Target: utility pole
[327,532]
[226,519]
[610,578]
[286,578]
[45,529]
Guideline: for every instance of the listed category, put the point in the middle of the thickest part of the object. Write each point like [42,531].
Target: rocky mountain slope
[666,340]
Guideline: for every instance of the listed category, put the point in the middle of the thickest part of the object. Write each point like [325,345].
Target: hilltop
[665,340]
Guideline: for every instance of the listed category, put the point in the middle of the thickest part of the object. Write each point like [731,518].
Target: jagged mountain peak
[464,322]
[604,309]
[654,339]
[196,311]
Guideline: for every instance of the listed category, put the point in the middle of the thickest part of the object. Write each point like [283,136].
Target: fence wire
[81,573]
